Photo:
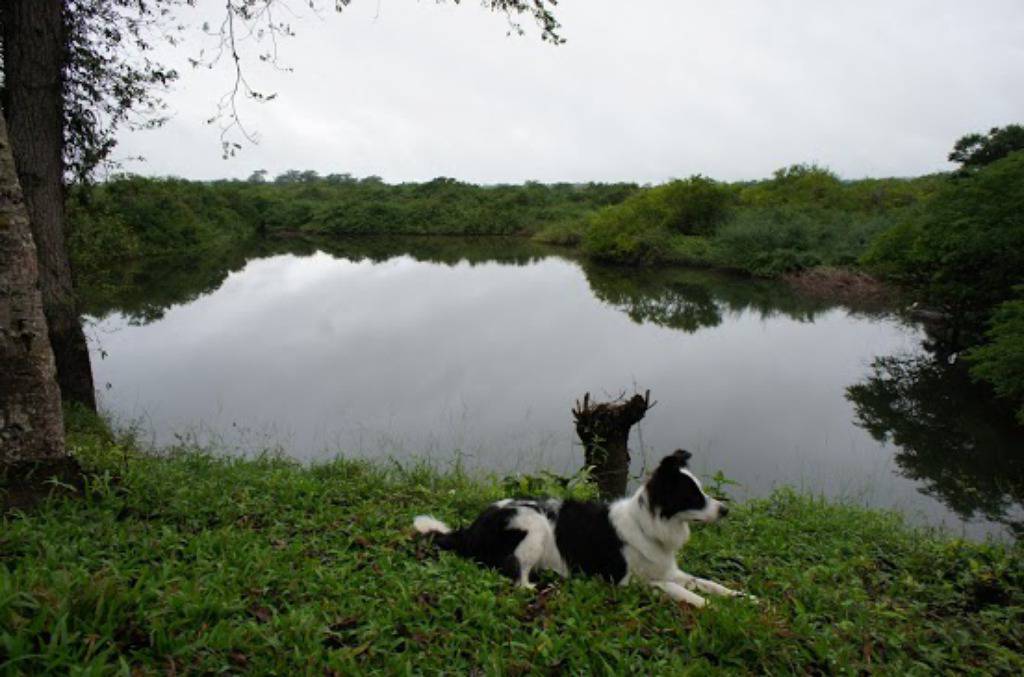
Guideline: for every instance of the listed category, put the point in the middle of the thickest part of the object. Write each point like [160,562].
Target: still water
[477,352]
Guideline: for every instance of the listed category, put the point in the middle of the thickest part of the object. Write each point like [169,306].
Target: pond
[475,351]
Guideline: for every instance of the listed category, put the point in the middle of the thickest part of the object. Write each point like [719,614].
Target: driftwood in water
[604,430]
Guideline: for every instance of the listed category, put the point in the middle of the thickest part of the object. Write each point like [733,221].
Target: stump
[604,430]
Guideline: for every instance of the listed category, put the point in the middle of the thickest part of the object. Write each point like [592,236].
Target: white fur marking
[425,524]
[537,548]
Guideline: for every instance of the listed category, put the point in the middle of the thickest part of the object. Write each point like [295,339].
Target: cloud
[641,91]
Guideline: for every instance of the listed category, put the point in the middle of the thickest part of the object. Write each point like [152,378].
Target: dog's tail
[425,524]
[440,532]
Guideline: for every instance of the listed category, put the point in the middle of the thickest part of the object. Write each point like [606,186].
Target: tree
[1001,360]
[31,425]
[974,151]
[964,252]
[74,73]
[34,57]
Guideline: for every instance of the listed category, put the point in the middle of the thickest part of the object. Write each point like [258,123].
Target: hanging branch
[253,21]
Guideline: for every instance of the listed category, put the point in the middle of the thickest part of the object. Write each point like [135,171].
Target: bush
[625,234]
[1001,361]
[695,206]
[805,185]
[774,241]
[564,233]
[693,251]
[99,240]
[964,251]
[639,230]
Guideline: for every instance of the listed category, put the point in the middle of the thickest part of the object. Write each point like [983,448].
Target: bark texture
[34,53]
[604,430]
[31,423]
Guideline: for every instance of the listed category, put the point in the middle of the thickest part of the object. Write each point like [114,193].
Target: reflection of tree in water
[653,298]
[688,299]
[967,451]
[449,251]
[682,299]
[144,291]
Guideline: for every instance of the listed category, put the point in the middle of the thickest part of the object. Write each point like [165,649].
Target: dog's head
[673,492]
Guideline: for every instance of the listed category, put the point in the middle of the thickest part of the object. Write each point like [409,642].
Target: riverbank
[803,224]
[801,217]
[192,563]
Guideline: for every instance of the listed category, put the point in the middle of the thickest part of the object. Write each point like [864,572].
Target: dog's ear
[679,457]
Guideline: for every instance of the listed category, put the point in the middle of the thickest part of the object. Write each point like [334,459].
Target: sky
[645,91]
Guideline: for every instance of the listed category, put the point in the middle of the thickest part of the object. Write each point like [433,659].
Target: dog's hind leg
[531,549]
[528,553]
[513,568]
[679,593]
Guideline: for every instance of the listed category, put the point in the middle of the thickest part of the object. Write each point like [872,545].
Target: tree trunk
[34,53]
[31,425]
[604,430]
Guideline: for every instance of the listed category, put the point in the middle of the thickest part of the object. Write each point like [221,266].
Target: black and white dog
[636,537]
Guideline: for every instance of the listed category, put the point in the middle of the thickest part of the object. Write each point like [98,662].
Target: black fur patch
[672,492]
[489,540]
[587,541]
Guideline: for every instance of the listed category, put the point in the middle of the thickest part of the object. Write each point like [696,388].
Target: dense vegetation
[804,216]
[131,215]
[963,254]
[193,563]
[1000,360]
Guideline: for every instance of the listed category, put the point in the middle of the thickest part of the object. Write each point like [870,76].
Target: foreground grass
[192,563]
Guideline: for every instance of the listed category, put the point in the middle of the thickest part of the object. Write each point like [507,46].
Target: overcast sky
[644,90]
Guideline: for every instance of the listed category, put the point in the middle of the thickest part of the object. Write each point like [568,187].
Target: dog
[635,537]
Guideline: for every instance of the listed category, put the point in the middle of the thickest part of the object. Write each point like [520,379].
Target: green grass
[194,563]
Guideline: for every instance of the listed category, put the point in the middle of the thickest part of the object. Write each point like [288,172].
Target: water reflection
[691,299]
[479,347]
[948,434]
[677,298]
[144,290]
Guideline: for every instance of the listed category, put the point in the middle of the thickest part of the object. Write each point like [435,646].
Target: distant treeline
[801,217]
[131,215]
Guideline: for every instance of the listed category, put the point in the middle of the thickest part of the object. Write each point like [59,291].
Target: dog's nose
[723,510]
